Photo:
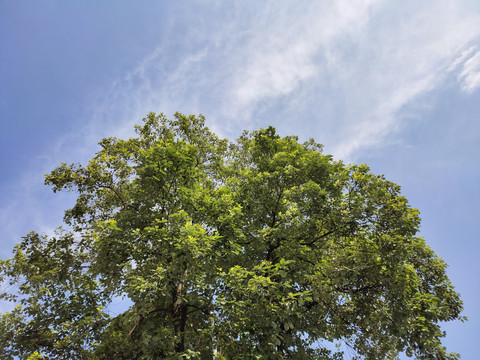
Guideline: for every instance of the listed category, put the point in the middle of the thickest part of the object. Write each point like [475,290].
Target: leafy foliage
[263,248]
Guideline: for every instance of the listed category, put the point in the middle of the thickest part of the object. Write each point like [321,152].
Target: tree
[262,248]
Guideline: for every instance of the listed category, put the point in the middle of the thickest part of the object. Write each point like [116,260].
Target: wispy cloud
[469,76]
[401,54]
[370,58]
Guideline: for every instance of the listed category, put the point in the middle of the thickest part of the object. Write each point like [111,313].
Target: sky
[394,84]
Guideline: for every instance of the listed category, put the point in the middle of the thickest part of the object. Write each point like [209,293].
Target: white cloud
[363,60]
[402,53]
[283,53]
[375,56]
[470,74]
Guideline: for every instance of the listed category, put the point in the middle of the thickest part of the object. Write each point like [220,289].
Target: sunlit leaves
[262,248]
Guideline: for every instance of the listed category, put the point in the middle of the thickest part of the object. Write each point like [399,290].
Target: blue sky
[389,83]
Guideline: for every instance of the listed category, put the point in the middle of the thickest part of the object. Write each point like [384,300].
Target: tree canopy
[259,248]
